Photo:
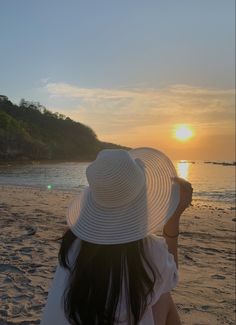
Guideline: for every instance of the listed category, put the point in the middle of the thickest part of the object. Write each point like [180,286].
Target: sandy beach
[31,220]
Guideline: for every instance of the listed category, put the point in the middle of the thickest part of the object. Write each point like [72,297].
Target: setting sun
[183,132]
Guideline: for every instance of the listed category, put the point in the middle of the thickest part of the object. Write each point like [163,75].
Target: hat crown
[115,178]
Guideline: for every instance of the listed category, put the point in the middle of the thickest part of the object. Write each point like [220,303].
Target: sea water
[210,180]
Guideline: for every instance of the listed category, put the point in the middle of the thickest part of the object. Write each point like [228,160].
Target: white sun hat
[130,195]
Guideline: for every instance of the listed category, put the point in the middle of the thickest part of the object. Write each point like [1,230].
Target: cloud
[106,109]
[147,116]
[89,94]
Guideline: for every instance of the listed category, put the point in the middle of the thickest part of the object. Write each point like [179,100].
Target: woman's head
[130,195]
[98,276]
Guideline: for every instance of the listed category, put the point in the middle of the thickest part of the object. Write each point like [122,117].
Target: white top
[158,251]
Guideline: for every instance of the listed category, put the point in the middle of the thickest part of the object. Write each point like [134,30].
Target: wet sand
[31,220]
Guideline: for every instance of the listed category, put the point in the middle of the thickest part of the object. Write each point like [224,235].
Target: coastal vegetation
[29,131]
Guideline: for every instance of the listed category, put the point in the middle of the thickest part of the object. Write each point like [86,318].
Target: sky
[132,70]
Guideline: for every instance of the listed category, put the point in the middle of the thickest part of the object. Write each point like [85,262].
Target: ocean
[212,181]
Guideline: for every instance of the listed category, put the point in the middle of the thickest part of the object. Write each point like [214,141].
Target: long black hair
[96,281]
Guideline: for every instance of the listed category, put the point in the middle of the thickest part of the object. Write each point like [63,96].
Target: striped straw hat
[130,195]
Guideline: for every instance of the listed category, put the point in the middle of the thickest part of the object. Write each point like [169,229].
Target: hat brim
[146,214]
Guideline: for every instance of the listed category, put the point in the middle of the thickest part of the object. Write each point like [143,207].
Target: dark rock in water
[223,163]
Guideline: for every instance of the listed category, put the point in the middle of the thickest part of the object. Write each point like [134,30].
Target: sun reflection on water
[183,169]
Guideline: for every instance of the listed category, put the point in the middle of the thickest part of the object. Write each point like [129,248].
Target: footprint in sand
[205,307]
[26,251]
[9,268]
[218,277]
[31,230]
[188,257]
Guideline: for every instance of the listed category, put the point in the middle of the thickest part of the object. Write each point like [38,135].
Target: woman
[112,268]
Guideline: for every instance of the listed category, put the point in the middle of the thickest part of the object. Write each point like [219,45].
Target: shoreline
[32,219]
[38,162]
[226,163]
[228,205]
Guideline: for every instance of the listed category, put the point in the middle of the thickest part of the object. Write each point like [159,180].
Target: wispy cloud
[132,107]
[147,116]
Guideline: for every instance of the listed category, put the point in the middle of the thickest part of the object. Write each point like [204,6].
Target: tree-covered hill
[29,131]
